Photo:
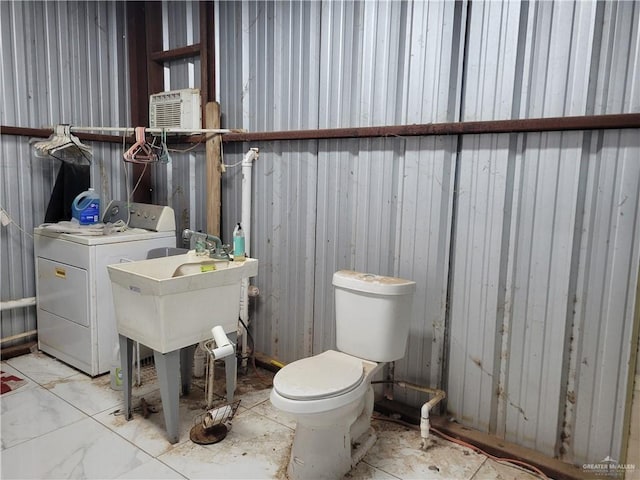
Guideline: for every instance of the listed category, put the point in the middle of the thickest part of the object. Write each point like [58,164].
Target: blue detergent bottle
[86,207]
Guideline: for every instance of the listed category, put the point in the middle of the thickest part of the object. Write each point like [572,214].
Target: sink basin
[172,302]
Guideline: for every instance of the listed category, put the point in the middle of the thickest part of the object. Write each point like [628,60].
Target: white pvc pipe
[18,336]
[247,167]
[224,347]
[424,416]
[22,302]
[438,395]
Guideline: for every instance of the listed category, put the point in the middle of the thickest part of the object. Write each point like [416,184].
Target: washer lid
[328,374]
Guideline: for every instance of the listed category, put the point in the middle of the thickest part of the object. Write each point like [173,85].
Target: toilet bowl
[331,398]
[330,395]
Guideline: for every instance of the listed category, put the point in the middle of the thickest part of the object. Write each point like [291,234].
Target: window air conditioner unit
[175,109]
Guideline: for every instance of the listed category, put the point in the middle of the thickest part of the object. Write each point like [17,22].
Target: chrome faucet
[204,244]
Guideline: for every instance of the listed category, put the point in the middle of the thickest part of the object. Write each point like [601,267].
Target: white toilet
[330,394]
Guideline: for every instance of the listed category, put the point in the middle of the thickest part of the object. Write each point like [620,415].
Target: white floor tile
[48,432]
[398,453]
[364,471]
[89,395]
[256,448]
[9,370]
[265,408]
[84,449]
[31,412]
[150,433]
[42,368]
[153,469]
[492,470]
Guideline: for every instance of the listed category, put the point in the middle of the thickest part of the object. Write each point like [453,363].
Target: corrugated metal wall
[62,62]
[541,224]
[322,206]
[541,308]
[525,247]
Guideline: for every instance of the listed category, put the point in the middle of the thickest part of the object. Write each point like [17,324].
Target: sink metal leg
[231,369]
[167,368]
[126,361]
[186,367]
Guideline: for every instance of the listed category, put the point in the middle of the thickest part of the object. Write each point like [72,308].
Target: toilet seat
[327,375]
[351,376]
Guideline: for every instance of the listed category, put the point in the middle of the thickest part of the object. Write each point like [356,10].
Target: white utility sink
[170,302]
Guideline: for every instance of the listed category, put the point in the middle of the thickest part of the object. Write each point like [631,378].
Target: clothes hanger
[140,152]
[63,145]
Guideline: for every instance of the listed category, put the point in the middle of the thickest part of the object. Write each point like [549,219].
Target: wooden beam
[214,170]
[17,350]
[176,53]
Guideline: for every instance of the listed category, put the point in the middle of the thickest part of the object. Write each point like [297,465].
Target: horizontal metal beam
[176,53]
[554,124]
[47,132]
[593,122]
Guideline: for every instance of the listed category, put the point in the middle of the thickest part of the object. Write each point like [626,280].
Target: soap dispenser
[238,244]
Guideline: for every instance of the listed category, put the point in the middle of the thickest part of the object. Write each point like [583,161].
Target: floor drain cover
[207,436]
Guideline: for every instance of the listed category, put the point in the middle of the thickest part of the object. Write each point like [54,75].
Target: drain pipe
[438,395]
[219,347]
[247,166]
[424,416]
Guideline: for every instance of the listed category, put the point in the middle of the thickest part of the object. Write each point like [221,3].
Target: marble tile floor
[64,424]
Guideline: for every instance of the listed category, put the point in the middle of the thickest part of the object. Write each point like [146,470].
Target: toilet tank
[373,314]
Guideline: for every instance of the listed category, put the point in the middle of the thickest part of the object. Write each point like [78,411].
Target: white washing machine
[76,319]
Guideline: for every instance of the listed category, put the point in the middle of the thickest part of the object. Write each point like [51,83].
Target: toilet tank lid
[370,283]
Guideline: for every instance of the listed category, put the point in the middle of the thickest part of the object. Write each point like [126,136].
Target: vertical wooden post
[214,170]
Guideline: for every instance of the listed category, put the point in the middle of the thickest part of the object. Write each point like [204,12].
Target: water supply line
[247,167]
[438,395]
